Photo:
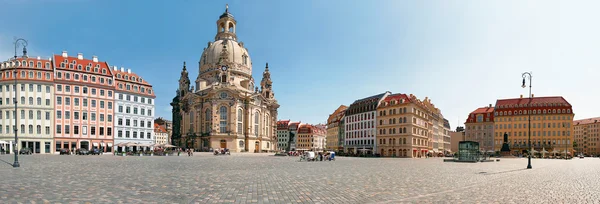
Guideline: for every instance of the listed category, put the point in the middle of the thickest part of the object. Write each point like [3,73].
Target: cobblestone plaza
[260,178]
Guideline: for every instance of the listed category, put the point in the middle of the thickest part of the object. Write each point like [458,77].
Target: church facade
[224,108]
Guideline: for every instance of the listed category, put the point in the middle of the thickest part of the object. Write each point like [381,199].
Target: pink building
[84,103]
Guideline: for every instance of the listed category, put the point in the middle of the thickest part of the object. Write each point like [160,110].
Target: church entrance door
[256,147]
[223,144]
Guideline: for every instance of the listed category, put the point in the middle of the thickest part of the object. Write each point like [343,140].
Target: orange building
[403,126]
[551,124]
[587,136]
[334,132]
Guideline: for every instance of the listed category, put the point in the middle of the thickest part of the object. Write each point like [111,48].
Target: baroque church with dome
[224,108]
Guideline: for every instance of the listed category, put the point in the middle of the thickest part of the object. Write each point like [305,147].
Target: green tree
[176,133]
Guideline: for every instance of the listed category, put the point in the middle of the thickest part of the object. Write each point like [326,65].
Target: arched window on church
[207,120]
[240,121]
[223,119]
[256,120]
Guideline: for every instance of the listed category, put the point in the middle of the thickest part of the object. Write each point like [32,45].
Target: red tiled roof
[535,100]
[59,59]
[396,97]
[124,77]
[485,111]
[158,128]
[587,121]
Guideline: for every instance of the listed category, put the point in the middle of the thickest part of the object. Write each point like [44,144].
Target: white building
[360,126]
[134,111]
[34,94]
[283,135]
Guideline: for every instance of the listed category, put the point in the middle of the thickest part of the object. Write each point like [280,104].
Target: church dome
[226,50]
[235,54]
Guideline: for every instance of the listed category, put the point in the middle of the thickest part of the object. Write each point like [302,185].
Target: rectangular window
[47,102]
[135,110]
[148,136]
[93,116]
[101,130]
[85,102]
[67,115]
[76,129]
[101,104]
[120,96]
[76,101]
[58,100]
[149,124]
[134,134]
[120,133]
[59,87]
[126,134]
[84,130]
[92,130]
[101,117]
[58,129]
[85,116]
[101,92]
[47,130]
[149,112]
[120,109]
[120,121]
[127,109]
[67,129]
[109,119]
[110,105]
[76,115]
[67,101]
[47,115]
[93,103]
[93,91]
[135,122]
[127,122]
[143,111]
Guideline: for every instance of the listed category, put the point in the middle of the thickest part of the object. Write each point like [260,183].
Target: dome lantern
[226,26]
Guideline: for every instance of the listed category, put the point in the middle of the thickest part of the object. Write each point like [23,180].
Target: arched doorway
[223,144]
[257,147]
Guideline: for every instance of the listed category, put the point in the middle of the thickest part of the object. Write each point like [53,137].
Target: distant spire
[226,8]
[267,67]
[184,66]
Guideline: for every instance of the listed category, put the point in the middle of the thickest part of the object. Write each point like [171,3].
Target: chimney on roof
[128,71]
[79,56]
[521,95]
[122,69]
[64,54]
[490,105]
[94,58]
[49,58]
[39,58]
[115,68]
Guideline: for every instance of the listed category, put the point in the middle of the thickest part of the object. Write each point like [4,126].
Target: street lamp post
[24,44]
[528,117]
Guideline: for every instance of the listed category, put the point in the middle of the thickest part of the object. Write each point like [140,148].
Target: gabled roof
[365,104]
[159,129]
[488,114]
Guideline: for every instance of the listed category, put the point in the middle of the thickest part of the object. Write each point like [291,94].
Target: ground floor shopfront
[74,144]
[124,148]
[37,146]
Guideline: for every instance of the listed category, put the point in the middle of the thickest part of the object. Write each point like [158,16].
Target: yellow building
[551,124]
[333,129]
[587,136]
[403,127]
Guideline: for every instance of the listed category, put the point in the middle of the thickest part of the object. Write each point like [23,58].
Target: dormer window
[245,58]
[39,65]
[47,64]
[103,71]
[133,78]
[30,63]
[66,61]
[74,62]
[87,68]
[79,67]
[71,66]
[96,69]
[118,75]
[97,66]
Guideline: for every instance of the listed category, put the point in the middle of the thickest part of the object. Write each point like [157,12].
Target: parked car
[65,151]
[581,156]
[25,151]
[95,151]
[82,151]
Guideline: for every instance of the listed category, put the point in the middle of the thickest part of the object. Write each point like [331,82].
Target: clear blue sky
[461,54]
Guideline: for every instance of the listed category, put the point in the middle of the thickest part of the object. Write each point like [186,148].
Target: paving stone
[261,178]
